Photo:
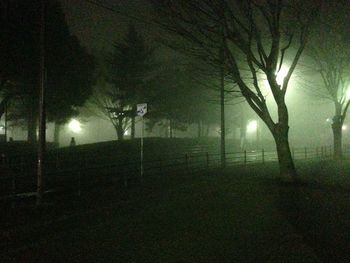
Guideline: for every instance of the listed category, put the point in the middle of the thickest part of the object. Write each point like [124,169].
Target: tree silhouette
[258,38]
[124,82]
[69,71]
[331,55]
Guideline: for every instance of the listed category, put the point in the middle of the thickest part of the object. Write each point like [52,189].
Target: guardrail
[69,172]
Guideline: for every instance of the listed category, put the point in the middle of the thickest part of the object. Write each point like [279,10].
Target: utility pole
[6,122]
[42,109]
[222,103]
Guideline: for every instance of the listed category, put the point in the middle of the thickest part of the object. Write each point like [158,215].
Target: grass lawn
[241,215]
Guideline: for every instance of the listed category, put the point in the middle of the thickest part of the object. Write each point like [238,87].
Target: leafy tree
[69,68]
[257,38]
[179,95]
[130,73]
[124,79]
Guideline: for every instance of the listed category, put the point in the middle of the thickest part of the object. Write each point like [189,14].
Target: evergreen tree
[69,68]
[127,81]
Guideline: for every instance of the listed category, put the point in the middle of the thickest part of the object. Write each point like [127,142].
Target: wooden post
[13,189]
[186,161]
[79,183]
[82,165]
[207,159]
[57,161]
[160,166]
[125,179]
[42,108]
[21,165]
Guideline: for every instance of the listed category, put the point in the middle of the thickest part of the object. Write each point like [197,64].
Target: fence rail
[69,172]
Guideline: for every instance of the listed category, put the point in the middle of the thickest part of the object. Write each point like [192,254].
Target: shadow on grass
[320,214]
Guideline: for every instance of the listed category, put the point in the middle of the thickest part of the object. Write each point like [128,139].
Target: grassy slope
[240,216]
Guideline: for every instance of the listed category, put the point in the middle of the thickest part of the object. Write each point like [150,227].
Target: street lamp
[252,126]
[75,126]
[281,74]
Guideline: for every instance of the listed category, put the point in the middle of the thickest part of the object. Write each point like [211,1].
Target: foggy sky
[98,29]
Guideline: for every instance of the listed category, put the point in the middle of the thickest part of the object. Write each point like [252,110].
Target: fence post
[207,159]
[263,155]
[13,189]
[21,165]
[245,157]
[57,161]
[82,166]
[79,183]
[186,161]
[305,153]
[160,166]
[125,179]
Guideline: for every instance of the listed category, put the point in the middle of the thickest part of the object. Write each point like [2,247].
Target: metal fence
[69,171]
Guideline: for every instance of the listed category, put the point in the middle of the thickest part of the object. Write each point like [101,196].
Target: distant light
[329,120]
[75,126]
[252,126]
[281,74]
[344,127]
[127,132]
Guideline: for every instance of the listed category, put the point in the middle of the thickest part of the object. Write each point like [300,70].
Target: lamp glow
[344,128]
[75,126]
[252,126]
[281,74]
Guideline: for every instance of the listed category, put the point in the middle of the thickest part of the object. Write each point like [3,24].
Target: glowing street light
[75,126]
[281,74]
[252,126]
[344,127]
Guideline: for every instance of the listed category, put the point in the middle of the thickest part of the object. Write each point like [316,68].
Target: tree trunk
[133,122]
[199,125]
[56,134]
[119,129]
[32,128]
[222,115]
[3,105]
[32,120]
[337,138]
[207,131]
[243,131]
[285,160]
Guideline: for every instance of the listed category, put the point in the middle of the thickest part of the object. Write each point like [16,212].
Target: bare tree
[106,104]
[260,36]
[331,52]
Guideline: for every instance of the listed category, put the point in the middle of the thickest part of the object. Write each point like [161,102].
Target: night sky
[98,28]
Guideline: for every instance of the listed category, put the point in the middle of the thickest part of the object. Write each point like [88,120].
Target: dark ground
[241,215]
